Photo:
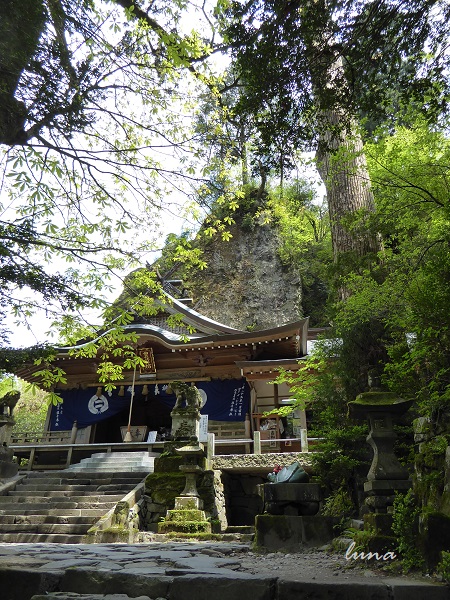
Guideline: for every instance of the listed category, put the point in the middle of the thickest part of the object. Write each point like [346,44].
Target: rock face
[245,284]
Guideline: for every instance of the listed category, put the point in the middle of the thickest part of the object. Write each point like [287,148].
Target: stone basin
[291,498]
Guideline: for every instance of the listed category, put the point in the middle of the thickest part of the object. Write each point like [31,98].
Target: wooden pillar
[73,435]
[248,432]
[69,457]
[276,401]
[253,401]
[31,459]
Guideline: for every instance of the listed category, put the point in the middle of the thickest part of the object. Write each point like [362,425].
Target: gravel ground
[320,566]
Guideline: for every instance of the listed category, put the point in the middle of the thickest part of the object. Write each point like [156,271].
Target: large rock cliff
[245,284]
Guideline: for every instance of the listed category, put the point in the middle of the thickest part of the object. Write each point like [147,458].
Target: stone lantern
[386,475]
[8,468]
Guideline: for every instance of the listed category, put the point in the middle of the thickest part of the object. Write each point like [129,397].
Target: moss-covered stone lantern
[386,475]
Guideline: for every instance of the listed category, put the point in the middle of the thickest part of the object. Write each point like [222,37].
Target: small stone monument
[187,515]
[8,468]
[7,404]
[186,412]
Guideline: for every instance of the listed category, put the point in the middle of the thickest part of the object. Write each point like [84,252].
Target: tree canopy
[93,126]
[97,123]
[310,70]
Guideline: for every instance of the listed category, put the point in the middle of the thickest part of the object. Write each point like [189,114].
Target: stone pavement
[192,571]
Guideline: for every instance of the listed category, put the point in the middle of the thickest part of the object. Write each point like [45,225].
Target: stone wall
[265,462]
[243,502]
[432,466]
[431,485]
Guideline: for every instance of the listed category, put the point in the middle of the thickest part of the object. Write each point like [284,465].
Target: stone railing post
[257,442]
[210,446]
[247,426]
[304,440]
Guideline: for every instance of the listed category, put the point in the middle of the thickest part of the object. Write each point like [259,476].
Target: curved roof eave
[173,340]
[194,318]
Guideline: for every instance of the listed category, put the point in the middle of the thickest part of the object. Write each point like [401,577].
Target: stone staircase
[126,462]
[60,506]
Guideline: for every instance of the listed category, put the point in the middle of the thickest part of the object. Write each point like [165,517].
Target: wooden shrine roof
[213,351]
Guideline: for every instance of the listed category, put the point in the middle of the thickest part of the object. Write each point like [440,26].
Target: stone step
[29,499]
[58,520]
[72,596]
[62,512]
[47,528]
[22,506]
[55,487]
[80,479]
[61,506]
[74,476]
[106,469]
[357,524]
[117,464]
[143,454]
[104,488]
[64,493]
[35,538]
[117,461]
[246,529]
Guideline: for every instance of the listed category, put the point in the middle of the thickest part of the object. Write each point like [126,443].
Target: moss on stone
[168,463]
[434,536]
[184,527]
[205,487]
[194,536]
[429,484]
[183,515]
[165,487]
[378,398]
[378,523]
[114,533]
[276,523]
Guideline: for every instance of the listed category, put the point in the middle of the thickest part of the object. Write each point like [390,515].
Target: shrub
[406,529]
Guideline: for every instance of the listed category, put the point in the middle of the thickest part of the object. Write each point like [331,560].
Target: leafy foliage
[407,293]
[304,231]
[405,526]
[320,386]
[443,568]
[31,411]
[285,50]
[90,94]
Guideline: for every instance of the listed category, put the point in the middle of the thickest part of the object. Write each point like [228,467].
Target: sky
[35,331]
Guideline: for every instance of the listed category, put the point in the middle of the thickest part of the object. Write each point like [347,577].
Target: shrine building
[233,369]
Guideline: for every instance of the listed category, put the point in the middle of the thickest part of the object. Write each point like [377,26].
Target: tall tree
[320,63]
